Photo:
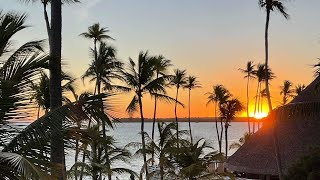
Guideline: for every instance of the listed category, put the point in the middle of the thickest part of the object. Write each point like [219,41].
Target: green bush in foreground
[307,168]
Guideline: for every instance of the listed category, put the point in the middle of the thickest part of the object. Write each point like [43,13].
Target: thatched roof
[298,127]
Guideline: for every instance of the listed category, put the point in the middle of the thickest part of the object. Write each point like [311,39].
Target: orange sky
[210,39]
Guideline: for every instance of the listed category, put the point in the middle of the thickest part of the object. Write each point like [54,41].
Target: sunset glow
[259,115]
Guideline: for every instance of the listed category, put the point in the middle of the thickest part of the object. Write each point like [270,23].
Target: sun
[259,115]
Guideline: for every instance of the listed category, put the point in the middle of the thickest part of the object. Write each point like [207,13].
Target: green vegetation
[307,168]
[32,80]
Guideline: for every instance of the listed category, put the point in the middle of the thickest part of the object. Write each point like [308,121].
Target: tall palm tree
[192,83]
[218,96]
[161,65]
[57,144]
[229,110]
[249,74]
[45,4]
[97,34]
[179,80]
[140,79]
[269,6]
[286,91]
[298,89]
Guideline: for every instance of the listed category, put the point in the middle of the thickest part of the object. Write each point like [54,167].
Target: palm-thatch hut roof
[297,129]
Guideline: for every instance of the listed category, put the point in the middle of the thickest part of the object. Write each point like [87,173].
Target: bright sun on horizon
[259,115]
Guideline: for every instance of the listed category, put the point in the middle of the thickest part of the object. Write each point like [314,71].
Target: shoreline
[205,119]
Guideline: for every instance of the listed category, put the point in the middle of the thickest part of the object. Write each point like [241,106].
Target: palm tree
[286,91]
[179,80]
[162,148]
[229,110]
[193,160]
[41,95]
[102,156]
[98,34]
[191,83]
[249,72]
[140,79]
[45,13]
[269,6]
[161,65]
[299,88]
[57,144]
[261,76]
[105,69]
[28,152]
[218,96]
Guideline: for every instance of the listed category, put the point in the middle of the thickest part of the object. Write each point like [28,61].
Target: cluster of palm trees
[258,73]
[29,74]
[228,107]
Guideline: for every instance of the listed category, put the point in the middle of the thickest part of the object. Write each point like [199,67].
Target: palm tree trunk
[248,104]
[46,18]
[226,138]
[161,171]
[275,138]
[154,120]
[176,116]
[57,144]
[217,130]
[255,108]
[142,136]
[221,133]
[191,138]
[109,177]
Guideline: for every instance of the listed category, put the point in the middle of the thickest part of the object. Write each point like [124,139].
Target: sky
[211,39]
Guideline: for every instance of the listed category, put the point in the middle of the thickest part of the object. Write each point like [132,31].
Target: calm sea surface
[125,133]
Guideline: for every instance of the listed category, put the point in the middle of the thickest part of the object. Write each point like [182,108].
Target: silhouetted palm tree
[102,154]
[298,89]
[140,79]
[193,160]
[249,74]
[161,65]
[261,76]
[286,91]
[218,96]
[269,6]
[229,110]
[57,144]
[98,34]
[179,80]
[105,69]
[41,95]
[192,83]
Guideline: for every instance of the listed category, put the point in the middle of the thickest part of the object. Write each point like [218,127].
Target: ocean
[125,133]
